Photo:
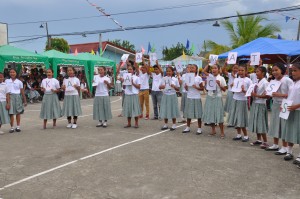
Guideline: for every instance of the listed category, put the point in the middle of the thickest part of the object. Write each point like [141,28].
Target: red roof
[88,47]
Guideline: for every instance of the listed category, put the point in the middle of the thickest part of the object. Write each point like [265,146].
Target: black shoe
[11,130]
[172,129]
[18,129]
[271,149]
[164,128]
[99,125]
[288,157]
[245,139]
[236,138]
[297,162]
[280,153]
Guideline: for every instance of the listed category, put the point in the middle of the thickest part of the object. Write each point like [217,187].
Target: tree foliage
[59,44]
[125,44]
[175,51]
[215,48]
[247,28]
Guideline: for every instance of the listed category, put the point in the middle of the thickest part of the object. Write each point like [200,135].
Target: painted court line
[84,158]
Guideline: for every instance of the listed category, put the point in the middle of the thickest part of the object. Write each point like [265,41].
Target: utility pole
[298,31]
[48,37]
[100,44]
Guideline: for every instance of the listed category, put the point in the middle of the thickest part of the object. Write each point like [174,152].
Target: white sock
[18,127]
[246,137]
[283,149]
[238,135]
[165,125]
[174,126]
[199,130]
[289,149]
[187,128]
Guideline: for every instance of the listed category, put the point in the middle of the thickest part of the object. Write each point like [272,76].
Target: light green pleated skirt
[277,124]
[228,101]
[183,101]
[213,110]
[169,107]
[131,106]
[118,88]
[50,108]
[16,104]
[101,108]
[193,109]
[258,119]
[292,128]
[238,114]
[71,106]
[4,117]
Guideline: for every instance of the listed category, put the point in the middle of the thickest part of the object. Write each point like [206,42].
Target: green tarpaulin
[10,54]
[57,58]
[96,61]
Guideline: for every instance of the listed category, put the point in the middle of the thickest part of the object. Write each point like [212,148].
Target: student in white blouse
[4,103]
[144,75]
[156,93]
[15,87]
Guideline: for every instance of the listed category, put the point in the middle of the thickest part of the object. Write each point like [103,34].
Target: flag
[287,18]
[149,47]
[92,52]
[187,46]
[183,55]
[192,49]
[153,48]
[143,50]
[279,36]
[76,52]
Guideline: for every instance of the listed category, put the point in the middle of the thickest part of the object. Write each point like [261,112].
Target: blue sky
[15,11]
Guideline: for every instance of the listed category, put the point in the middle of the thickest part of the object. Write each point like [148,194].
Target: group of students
[13,100]
[165,102]
[236,105]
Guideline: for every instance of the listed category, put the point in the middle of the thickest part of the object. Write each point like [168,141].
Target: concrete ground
[143,163]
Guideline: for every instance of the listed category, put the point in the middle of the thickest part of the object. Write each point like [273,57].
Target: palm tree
[215,48]
[248,28]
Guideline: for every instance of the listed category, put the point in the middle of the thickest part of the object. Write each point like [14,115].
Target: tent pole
[288,59]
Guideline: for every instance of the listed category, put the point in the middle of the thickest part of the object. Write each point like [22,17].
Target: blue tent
[270,49]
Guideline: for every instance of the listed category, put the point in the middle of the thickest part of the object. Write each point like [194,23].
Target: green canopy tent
[96,61]
[10,54]
[57,58]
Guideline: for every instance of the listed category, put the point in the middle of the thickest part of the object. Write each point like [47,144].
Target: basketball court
[115,162]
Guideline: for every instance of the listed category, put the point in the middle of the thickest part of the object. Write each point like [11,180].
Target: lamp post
[216,24]
[48,37]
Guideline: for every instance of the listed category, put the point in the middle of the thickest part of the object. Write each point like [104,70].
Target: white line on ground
[84,158]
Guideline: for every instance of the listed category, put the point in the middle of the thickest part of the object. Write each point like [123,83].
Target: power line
[129,12]
[169,24]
